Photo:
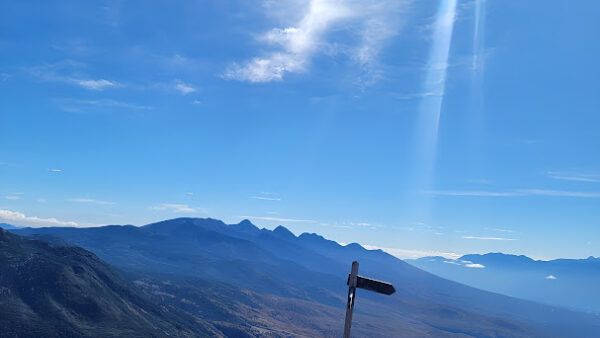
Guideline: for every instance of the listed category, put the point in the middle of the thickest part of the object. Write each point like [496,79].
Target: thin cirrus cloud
[471,193]
[504,230]
[483,238]
[78,105]
[91,201]
[20,219]
[574,177]
[69,71]
[519,192]
[306,35]
[178,208]
[55,170]
[559,193]
[266,198]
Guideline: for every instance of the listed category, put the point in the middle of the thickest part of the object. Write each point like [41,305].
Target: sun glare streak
[476,96]
[431,106]
[435,82]
[478,35]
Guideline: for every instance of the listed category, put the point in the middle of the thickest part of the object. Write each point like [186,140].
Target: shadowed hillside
[59,291]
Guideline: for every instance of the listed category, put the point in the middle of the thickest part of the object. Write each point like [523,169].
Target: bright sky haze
[424,127]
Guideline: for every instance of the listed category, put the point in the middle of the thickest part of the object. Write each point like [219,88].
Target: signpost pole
[351,293]
[356,281]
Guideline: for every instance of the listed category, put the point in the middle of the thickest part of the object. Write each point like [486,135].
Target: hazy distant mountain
[7,226]
[256,280]
[58,291]
[566,282]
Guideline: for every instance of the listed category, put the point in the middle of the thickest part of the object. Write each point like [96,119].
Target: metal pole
[351,294]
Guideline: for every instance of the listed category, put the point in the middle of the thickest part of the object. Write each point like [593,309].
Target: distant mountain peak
[186,224]
[246,223]
[497,257]
[283,232]
[245,226]
[312,236]
[319,240]
[355,246]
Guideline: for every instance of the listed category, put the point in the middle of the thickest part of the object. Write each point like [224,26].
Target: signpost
[356,281]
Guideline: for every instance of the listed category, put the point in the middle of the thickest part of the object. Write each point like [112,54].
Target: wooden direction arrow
[356,281]
[374,285]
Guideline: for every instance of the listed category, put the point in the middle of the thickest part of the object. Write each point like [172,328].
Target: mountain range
[246,281]
[570,283]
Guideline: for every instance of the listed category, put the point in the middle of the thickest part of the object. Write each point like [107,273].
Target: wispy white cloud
[12,197]
[269,193]
[550,277]
[184,88]
[558,193]
[304,36]
[55,170]
[266,198]
[452,262]
[351,225]
[99,84]
[41,200]
[475,265]
[69,71]
[504,230]
[490,238]
[471,193]
[278,219]
[342,226]
[574,177]
[411,253]
[518,192]
[87,200]
[78,105]
[466,264]
[17,218]
[178,208]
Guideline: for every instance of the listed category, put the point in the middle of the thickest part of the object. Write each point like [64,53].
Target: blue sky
[441,127]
